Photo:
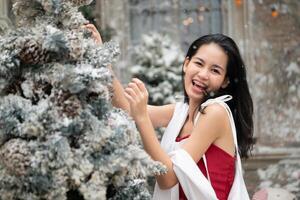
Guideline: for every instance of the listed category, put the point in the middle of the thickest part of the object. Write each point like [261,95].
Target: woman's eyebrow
[201,60]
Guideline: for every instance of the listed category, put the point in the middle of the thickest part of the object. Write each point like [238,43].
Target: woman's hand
[95,34]
[137,96]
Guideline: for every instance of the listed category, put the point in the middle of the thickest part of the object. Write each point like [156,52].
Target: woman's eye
[215,71]
[199,64]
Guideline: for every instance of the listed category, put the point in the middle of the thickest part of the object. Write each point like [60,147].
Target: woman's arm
[118,99]
[159,115]
[209,128]
[137,96]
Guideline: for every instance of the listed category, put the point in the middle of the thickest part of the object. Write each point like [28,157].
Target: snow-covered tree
[60,137]
[158,62]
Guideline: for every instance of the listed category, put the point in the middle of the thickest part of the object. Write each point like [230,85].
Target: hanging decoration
[274,10]
[201,9]
[188,21]
[238,2]
[274,13]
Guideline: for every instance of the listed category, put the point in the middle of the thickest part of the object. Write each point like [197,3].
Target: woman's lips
[199,87]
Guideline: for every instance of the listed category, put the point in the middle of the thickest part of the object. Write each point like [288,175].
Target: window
[184,20]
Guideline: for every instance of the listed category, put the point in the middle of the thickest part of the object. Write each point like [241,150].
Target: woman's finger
[139,84]
[131,92]
[141,87]
[130,99]
[135,88]
[95,34]
[91,26]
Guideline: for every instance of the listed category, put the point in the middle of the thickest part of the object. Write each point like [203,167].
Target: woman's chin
[196,97]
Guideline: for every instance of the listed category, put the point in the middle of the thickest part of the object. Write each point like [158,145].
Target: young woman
[203,132]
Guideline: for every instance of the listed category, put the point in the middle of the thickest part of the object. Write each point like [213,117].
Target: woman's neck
[193,110]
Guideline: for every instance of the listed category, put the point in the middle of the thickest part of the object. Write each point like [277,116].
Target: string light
[188,21]
[238,2]
[202,8]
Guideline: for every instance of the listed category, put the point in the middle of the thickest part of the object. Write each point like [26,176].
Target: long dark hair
[241,104]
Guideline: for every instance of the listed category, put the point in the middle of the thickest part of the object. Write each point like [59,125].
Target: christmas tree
[158,62]
[60,136]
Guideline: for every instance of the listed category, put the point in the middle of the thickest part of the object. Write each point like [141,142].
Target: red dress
[221,169]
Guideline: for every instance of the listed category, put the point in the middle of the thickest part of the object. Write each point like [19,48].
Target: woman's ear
[225,83]
[185,64]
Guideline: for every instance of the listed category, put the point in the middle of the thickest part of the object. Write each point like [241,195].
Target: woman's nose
[203,73]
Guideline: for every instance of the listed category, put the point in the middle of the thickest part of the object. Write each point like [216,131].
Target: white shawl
[194,184]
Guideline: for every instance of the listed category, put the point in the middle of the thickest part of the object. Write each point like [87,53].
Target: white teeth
[198,84]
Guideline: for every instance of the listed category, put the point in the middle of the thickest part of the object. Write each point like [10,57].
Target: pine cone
[32,53]
[72,106]
[69,104]
[15,156]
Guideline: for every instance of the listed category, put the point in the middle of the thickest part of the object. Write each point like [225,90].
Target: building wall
[276,50]
[269,42]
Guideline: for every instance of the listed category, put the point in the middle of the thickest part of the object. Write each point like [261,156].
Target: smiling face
[205,72]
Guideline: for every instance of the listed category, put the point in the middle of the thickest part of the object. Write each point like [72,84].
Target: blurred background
[154,35]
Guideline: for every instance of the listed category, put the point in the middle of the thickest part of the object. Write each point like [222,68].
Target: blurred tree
[158,62]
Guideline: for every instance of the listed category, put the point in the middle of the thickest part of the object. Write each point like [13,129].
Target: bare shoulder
[212,127]
[216,111]
[161,115]
[218,117]
[215,116]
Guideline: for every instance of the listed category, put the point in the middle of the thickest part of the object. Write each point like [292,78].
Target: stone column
[237,25]
[5,22]
[114,15]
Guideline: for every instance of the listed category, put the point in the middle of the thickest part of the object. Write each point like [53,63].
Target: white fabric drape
[194,184]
